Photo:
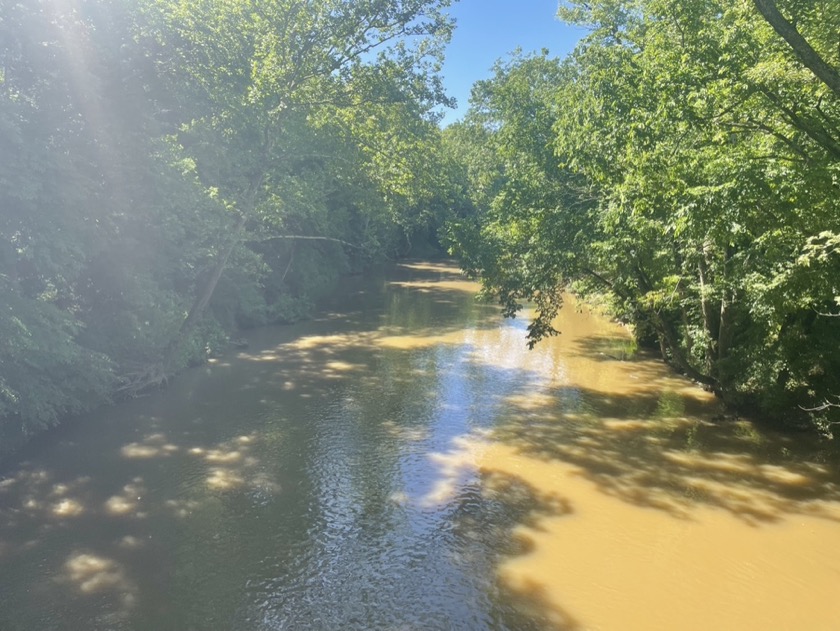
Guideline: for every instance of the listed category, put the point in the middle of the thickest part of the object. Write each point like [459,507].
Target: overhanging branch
[301,237]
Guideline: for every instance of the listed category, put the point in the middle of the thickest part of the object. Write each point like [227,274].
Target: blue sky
[487,30]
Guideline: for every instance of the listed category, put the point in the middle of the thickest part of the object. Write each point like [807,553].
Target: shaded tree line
[683,161]
[172,170]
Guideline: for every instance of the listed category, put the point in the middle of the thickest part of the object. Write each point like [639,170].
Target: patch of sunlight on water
[92,574]
[130,542]
[437,268]
[67,508]
[127,502]
[152,446]
[452,469]
[224,479]
[436,286]
[415,341]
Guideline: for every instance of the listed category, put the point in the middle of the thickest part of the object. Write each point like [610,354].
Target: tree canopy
[684,162]
[176,169]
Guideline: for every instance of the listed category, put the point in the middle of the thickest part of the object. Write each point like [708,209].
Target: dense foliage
[175,169]
[684,161]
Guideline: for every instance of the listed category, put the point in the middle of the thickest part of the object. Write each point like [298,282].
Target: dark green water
[327,478]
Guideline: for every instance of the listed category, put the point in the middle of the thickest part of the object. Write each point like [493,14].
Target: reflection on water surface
[404,462]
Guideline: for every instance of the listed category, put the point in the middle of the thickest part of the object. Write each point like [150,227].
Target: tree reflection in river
[404,462]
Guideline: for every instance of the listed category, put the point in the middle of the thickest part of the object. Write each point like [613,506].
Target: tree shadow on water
[490,522]
[657,450]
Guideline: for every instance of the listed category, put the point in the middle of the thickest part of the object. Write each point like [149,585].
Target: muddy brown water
[403,462]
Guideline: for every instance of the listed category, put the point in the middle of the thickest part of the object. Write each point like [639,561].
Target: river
[403,462]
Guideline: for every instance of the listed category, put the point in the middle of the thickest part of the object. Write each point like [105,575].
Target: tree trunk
[726,318]
[671,339]
[203,298]
[689,339]
[205,294]
[725,336]
[709,322]
[803,50]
